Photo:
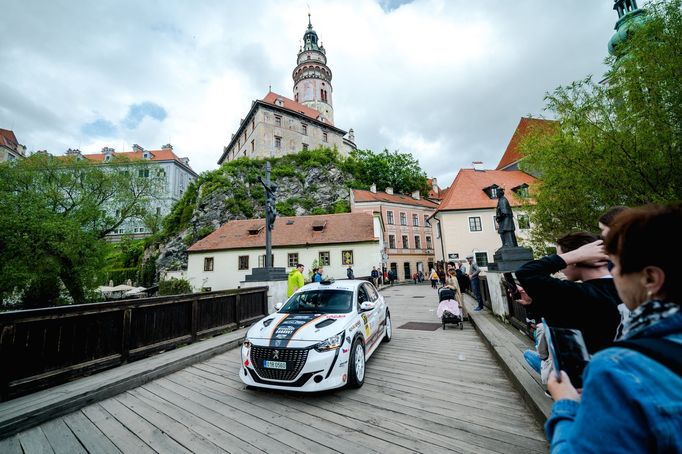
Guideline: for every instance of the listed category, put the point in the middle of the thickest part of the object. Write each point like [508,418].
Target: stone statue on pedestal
[505,220]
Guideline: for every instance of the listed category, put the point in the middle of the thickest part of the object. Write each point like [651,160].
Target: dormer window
[255,229]
[279,102]
[147,155]
[492,191]
[107,158]
[521,190]
[318,226]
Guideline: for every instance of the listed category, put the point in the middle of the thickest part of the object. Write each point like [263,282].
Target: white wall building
[223,259]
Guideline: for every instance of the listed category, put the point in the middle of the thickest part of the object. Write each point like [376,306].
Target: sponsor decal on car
[288,326]
[364,320]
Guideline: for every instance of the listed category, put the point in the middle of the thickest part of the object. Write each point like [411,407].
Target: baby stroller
[448,308]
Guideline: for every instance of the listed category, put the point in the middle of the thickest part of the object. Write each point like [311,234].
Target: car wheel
[356,364]
[388,334]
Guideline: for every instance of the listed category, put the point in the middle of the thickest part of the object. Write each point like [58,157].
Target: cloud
[99,128]
[446,80]
[137,113]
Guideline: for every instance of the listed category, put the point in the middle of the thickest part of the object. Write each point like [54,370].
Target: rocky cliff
[312,182]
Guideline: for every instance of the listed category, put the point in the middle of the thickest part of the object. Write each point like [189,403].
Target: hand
[563,389]
[591,254]
[524,299]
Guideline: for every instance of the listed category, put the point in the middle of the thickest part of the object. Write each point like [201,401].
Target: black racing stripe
[288,327]
[333,363]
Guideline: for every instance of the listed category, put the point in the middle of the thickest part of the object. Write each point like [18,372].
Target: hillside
[311,182]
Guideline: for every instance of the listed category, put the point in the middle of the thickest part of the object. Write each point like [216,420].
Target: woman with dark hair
[631,399]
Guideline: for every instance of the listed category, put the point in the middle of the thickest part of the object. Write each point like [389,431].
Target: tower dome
[312,77]
[629,18]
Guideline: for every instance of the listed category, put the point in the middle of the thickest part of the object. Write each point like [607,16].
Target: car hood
[280,330]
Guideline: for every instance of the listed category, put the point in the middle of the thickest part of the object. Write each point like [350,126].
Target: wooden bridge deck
[426,391]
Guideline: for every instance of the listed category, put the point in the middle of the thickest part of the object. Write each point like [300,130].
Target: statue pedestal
[274,278]
[507,260]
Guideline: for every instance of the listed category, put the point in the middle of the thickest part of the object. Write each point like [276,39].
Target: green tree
[618,142]
[56,212]
[400,171]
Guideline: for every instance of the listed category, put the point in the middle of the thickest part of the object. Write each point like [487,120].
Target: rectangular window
[417,242]
[481,258]
[143,173]
[305,147]
[253,146]
[403,219]
[391,241]
[324,137]
[428,242]
[524,221]
[208,263]
[278,142]
[347,257]
[304,129]
[475,224]
[389,217]
[243,262]
[323,259]
[292,259]
[261,260]
[426,220]
[278,120]
[253,124]
[406,244]
[415,220]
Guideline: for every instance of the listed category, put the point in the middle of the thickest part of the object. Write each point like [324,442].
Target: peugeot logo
[275,354]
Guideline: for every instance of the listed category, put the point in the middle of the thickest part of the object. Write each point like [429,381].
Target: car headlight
[246,343]
[332,343]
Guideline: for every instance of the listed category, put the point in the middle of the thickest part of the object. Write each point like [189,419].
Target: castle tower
[629,17]
[312,76]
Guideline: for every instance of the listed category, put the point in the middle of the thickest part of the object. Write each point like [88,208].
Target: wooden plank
[33,441]
[61,438]
[125,439]
[179,432]
[210,413]
[262,426]
[88,434]
[11,445]
[200,426]
[142,428]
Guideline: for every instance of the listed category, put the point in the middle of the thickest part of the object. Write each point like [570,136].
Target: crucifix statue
[270,213]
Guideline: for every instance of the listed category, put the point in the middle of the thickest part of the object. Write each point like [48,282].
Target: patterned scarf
[647,314]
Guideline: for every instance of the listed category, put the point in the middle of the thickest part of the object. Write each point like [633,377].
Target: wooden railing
[44,347]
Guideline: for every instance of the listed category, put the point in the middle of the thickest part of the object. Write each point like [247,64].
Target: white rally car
[319,339]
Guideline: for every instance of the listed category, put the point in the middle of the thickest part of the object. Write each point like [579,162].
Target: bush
[175,287]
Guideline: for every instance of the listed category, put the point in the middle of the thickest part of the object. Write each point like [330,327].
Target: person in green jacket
[295,280]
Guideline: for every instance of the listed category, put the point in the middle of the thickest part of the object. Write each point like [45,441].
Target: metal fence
[40,348]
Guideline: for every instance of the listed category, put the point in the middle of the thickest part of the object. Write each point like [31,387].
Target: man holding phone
[586,300]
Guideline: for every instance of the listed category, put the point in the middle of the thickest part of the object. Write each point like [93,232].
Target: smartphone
[568,352]
[510,283]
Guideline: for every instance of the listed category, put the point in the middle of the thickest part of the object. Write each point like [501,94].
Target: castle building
[10,148]
[276,125]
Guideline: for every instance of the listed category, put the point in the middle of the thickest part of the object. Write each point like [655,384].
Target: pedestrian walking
[375,276]
[475,282]
[433,276]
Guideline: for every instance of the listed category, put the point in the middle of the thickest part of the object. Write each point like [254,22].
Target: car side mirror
[366,306]
[278,306]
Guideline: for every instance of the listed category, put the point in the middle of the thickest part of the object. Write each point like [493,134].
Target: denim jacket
[630,403]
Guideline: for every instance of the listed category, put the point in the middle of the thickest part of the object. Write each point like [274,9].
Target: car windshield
[319,302]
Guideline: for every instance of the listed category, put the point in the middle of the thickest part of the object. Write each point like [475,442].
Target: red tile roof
[360,195]
[291,231]
[526,126]
[466,192]
[157,155]
[8,139]
[290,104]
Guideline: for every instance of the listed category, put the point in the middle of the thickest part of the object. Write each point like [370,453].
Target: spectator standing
[475,281]
[590,305]
[421,276]
[375,276]
[433,276]
[317,274]
[295,280]
[631,398]
[349,273]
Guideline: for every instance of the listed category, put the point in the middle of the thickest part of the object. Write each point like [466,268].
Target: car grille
[294,357]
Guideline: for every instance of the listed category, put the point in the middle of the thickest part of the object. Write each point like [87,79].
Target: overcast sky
[446,80]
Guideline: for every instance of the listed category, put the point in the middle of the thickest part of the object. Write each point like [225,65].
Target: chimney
[389,190]
[478,166]
[136,147]
[373,188]
[415,195]
[167,147]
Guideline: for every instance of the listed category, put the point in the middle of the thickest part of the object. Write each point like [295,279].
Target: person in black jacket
[590,305]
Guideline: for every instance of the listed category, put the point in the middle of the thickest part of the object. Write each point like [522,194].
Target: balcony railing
[44,347]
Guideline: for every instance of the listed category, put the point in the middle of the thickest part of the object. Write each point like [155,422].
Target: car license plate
[275,365]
